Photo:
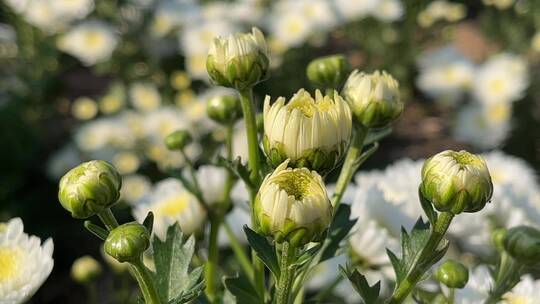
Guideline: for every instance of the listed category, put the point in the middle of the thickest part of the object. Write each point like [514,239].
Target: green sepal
[265,251]
[149,222]
[370,294]
[96,230]
[428,208]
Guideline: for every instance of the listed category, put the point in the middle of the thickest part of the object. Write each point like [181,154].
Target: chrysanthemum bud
[328,72]
[452,274]
[89,188]
[312,133]
[85,270]
[373,98]
[127,242]
[239,61]
[523,244]
[456,182]
[178,140]
[292,205]
[224,109]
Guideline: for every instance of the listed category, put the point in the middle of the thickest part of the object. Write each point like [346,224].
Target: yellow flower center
[307,105]
[294,26]
[3,227]
[497,86]
[464,158]
[296,183]
[9,263]
[174,205]
[94,38]
[499,112]
[513,299]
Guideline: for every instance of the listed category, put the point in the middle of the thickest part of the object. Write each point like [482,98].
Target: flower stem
[288,256]
[350,165]
[508,275]
[107,217]
[238,251]
[213,256]
[146,284]
[406,286]
[452,296]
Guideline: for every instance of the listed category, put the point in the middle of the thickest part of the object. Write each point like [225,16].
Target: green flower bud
[328,72]
[239,61]
[452,274]
[292,205]
[127,242]
[178,140]
[89,188]
[497,238]
[456,182]
[85,270]
[310,132]
[373,98]
[224,109]
[523,244]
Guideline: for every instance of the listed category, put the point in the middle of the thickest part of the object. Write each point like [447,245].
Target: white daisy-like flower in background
[483,126]
[527,291]
[41,14]
[445,74]
[477,288]
[388,10]
[134,187]
[72,9]
[25,263]
[501,79]
[237,218]
[355,9]
[171,14]
[144,96]
[91,42]
[110,132]
[170,202]
[289,28]
[196,38]
[212,181]
[162,121]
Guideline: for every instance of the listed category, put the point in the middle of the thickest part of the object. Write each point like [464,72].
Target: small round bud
[452,274]
[178,140]
[523,244]
[89,188]
[292,205]
[85,270]
[373,98]
[497,238]
[239,61]
[310,132]
[328,72]
[224,109]
[127,242]
[456,182]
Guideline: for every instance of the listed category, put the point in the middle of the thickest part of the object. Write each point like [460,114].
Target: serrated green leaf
[340,227]
[370,294]
[172,259]
[264,250]
[242,290]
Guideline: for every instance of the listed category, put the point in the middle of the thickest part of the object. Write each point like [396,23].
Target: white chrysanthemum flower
[388,10]
[161,122]
[484,126]
[318,14]
[24,263]
[171,202]
[197,38]
[502,79]
[91,42]
[441,10]
[478,287]
[134,187]
[41,14]
[171,14]
[309,131]
[445,74]
[527,291]
[72,9]
[111,132]
[355,9]
[212,181]
[144,97]
[18,6]
[499,4]
[289,28]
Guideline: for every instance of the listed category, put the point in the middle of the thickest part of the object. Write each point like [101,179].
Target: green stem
[508,275]
[452,296]
[246,99]
[146,284]
[238,251]
[108,219]
[212,263]
[350,165]
[288,255]
[421,266]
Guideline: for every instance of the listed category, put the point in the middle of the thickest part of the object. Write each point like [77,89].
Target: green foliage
[236,167]
[265,251]
[242,289]
[338,230]
[369,294]
[412,246]
[174,280]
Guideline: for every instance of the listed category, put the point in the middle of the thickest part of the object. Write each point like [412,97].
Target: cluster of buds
[292,205]
[523,244]
[310,132]
[456,181]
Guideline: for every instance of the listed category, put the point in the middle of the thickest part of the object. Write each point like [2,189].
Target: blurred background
[96,79]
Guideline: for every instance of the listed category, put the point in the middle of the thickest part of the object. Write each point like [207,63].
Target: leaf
[307,255]
[377,135]
[96,230]
[149,222]
[411,251]
[365,155]
[172,258]
[242,289]
[236,167]
[428,208]
[340,227]
[369,294]
[264,250]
